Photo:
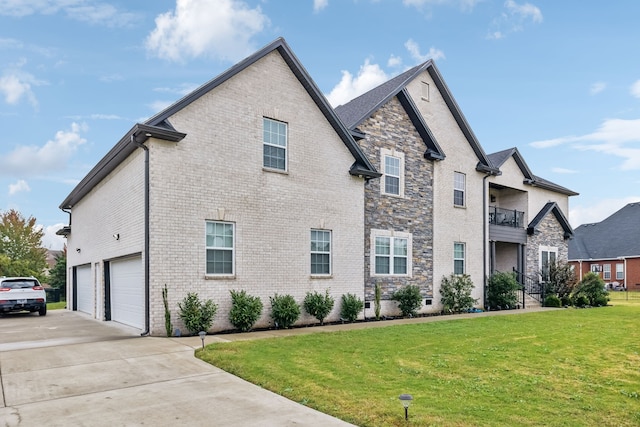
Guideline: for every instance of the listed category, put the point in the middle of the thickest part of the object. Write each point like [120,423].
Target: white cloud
[564,170]
[579,215]
[414,50]
[50,239]
[612,137]
[18,187]
[158,106]
[16,85]
[188,31]
[90,11]
[597,87]
[513,19]
[318,5]
[465,5]
[635,89]
[369,76]
[394,61]
[53,155]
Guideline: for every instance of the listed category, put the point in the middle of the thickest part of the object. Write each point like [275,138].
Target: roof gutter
[146,231]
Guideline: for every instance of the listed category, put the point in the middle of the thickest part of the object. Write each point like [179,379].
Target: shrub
[378,297]
[456,293]
[245,310]
[409,300]
[318,305]
[501,290]
[566,301]
[552,301]
[581,301]
[285,311]
[600,301]
[351,307]
[562,279]
[592,287]
[167,313]
[197,315]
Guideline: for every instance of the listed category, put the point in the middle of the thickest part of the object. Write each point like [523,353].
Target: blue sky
[560,80]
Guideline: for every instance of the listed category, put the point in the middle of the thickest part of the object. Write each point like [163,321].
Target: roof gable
[616,236]
[551,207]
[500,158]
[360,108]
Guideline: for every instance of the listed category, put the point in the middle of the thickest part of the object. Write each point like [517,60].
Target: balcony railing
[506,217]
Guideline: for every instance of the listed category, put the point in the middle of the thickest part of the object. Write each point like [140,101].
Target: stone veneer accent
[549,233]
[390,128]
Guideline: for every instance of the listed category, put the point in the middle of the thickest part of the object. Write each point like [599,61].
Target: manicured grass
[567,367]
[56,305]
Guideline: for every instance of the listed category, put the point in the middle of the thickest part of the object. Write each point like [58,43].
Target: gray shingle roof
[551,207]
[616,236]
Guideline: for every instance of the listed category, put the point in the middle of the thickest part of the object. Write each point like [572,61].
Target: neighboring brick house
[610,248]
[251,182]
[430,197]
[528,226]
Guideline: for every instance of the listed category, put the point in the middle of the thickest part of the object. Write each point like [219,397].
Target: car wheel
[43,311]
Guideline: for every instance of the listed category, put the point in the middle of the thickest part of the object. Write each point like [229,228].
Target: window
[619,271]
[220,248]
[393,168]
[458,188]
[274,136]
[391,253]
[606,272]
[548,257]
[458,258]
[320,252]
[425,91]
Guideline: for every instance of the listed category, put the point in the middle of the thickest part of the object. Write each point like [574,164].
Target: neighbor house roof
[616,236]
[498,159]
[357,110]
[551,207]
[159,126]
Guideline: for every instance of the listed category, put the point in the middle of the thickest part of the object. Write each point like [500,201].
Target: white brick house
[228,189]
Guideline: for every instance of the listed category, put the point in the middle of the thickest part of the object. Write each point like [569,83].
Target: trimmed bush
[600,301]
[552,301]
[285,311]
[501,291]
[409,300]
[566,301]
[351,307]
[318,305]
[581,301]
[197,315]
[245,310]
[456,293]
[592,287]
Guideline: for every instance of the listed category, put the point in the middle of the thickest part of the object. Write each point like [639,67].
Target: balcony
[506,217]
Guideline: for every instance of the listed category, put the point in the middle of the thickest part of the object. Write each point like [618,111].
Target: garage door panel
[85,294]
[127,292]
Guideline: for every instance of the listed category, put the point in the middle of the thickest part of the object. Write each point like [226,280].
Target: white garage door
[85,290]
[127,292]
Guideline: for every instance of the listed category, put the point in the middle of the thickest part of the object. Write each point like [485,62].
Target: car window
[18,284]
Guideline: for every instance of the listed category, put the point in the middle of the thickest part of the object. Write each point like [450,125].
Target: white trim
[392,235]
[384,153]
[284,147]
[232,249]
[330,253]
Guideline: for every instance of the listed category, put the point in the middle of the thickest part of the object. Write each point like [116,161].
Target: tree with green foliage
[455,293]
[21,251]
[58,274]
[592,290]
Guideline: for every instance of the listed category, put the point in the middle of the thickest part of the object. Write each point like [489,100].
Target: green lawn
[56,305]
[570,367]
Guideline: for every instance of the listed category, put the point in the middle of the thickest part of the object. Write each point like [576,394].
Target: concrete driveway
[65,369]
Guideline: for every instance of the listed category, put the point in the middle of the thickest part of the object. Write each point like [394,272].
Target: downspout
[146,234]
[485,241]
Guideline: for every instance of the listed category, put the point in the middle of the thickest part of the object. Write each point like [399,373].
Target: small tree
[376,302]
[351,307]
[245,310]
[409,300]
[562,280]
[167,313]
[592,289]
[21,252]
[196,315]
[318,305]
[501,290]
[58,274]
[456,293]
[285,311]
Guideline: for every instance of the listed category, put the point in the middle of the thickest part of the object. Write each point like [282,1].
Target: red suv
[22,294]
